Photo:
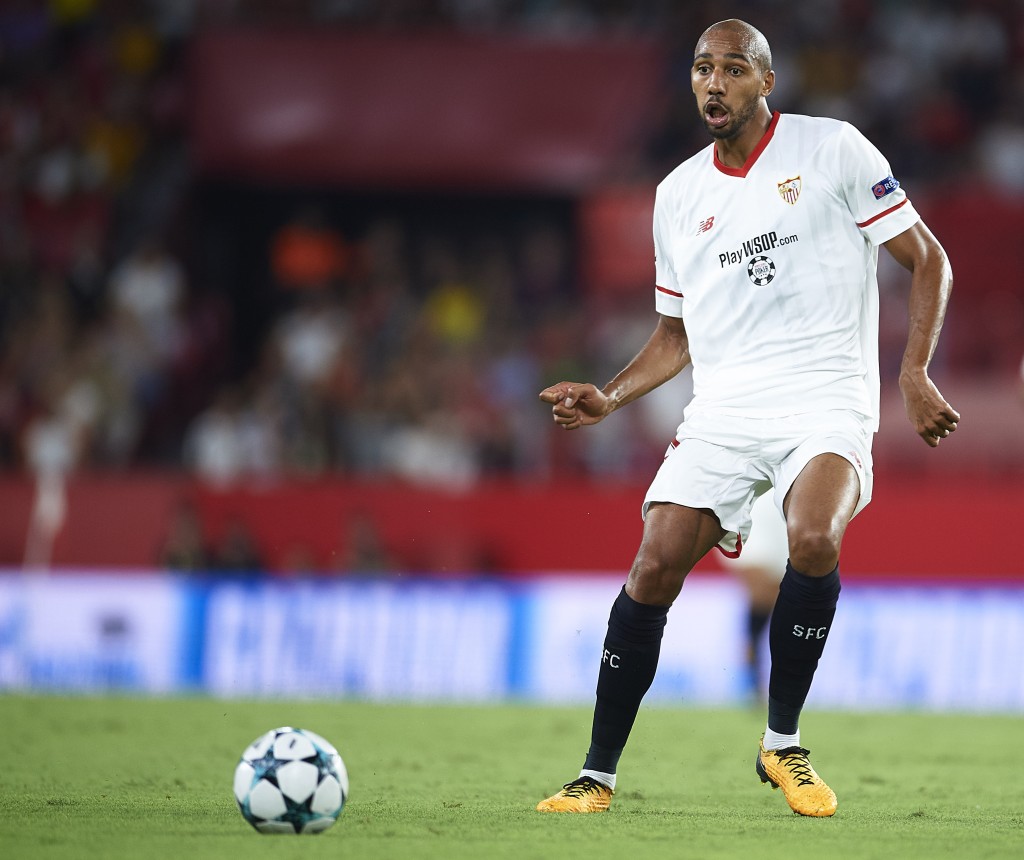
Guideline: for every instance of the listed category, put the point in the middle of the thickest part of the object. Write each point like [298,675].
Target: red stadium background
[377,113]
[957,530]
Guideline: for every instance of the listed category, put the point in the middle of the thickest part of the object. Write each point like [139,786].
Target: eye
[735,71]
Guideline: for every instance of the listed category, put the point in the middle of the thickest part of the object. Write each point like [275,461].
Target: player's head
[731,77]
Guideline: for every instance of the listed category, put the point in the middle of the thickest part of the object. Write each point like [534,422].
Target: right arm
[667,351]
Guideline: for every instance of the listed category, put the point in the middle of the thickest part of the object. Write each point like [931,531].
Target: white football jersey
[772,268]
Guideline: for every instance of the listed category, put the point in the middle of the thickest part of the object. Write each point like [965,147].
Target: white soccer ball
[291,781]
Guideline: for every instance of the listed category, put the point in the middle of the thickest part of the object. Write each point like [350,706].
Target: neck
[735,151]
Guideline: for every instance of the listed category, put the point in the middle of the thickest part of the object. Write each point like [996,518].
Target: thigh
[823,498]
[720,477]
[675,538]
[837,433]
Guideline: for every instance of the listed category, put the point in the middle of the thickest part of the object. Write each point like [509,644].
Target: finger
[551,395]
[950,414]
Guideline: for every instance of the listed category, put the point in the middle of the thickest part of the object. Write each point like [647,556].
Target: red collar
[756,154]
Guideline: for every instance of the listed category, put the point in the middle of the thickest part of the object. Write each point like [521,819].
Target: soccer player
[760,568]
[766,246]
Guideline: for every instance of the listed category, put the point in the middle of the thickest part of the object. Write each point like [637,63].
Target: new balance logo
[706,225]
[802,632]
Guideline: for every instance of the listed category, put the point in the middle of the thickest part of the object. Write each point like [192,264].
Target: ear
[768,84]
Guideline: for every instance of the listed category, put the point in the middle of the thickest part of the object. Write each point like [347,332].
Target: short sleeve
[668,293]
[878,203]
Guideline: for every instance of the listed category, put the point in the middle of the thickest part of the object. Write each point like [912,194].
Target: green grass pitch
[146,779]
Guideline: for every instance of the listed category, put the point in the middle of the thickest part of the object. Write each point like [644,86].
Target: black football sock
[799,627]
[757,621]
[628,664]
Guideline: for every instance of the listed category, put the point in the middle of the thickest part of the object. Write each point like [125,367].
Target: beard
[739,121]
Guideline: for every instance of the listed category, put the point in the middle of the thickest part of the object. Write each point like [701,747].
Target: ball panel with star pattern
[290,781]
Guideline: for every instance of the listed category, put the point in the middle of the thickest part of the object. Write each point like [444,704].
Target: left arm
[918,251]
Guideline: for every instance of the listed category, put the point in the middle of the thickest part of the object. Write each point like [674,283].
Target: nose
[716,82]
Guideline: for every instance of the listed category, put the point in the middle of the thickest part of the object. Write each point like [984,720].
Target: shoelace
[795,760]
[581,787]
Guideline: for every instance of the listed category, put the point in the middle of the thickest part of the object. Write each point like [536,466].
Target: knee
[654,582]
[814,552]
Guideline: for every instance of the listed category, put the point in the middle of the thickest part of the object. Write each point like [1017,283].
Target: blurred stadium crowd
[395,349]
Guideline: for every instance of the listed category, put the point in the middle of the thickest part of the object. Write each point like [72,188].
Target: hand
[933,418]
[576,404]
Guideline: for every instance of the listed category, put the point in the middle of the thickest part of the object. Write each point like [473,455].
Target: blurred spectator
[546,266]
[237,550]
[212,448]
[307,253]
[363,548]
[435,450]
[310,337]
[149,288]
[184,549]
[455,313]
[511,430]
[1001,152]
[393,342]
[51,452]
[234,439]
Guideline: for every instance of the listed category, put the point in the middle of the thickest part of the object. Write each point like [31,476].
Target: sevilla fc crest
[789,190]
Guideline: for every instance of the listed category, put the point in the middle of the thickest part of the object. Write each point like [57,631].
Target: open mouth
[715,114]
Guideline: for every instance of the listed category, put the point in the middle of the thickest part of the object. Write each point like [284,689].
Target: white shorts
[723,463]
[766,546]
